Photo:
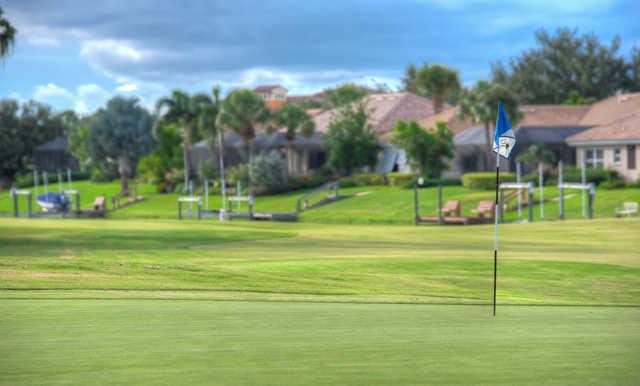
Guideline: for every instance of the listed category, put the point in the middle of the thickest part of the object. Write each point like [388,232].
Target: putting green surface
[123,342]
[168,302]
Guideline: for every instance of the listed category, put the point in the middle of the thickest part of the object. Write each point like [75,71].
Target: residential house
[614,145]
[612,141]
[549,125]
[54,156]
[274,95]
[307,154]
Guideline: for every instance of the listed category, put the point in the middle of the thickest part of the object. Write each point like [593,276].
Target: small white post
[541,188]
[584,182]
[35,181]
[206,195]
[238,189]
[69,178]
[518,178]
[45,181]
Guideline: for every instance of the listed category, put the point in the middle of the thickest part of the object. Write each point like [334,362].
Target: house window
[594,158]
[617,157]
[631,157]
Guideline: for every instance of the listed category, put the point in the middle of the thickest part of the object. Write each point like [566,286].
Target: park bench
[451,208]
[627,209]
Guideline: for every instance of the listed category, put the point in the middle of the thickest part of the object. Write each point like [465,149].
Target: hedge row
[485,180]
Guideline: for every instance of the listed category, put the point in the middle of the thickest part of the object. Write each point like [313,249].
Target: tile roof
[57,144]
[552,115]
[267,87]
[623,130]
[386,110]
[612,108]
[449,116]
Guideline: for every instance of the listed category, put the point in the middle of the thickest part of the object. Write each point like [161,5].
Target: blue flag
[504,139]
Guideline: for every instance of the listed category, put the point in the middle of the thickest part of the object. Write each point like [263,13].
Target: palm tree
[438,82]
[295,120]
[480,104]
[185,111]
[210,127]
[242,110]
[7,35]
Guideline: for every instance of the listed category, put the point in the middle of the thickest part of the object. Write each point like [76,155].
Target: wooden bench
[485,209]
[451,208]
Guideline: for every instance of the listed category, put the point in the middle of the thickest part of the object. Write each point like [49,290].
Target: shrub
[26,180]
[485,180]
[269,171]
[239,173]
[574,174]
[368,179]
[617,184]
[209,170]
[430,182]
[99,175]
[400,179]
[347,182]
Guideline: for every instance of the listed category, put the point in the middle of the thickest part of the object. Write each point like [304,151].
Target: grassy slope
[375,204]
[574,262]
[121,342]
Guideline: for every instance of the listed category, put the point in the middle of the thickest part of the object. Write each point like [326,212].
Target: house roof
[58,144]
[449,116]
[526,135]
[386,110]
[267,87]
[552,115]
[612,108]
[625,130]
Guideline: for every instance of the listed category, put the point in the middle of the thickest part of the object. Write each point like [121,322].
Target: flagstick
[495,237]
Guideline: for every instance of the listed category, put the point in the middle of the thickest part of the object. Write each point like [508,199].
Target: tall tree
[350,139]
[480,104]
[211,128]
[438,82]
[343,95]
[426,151]
[409,79]
[566,62]
[7,34]
[242,111]
[184,110]
[121,131]
[295,120]
[22,129]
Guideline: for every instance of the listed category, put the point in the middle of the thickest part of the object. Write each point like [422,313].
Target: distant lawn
[369,204]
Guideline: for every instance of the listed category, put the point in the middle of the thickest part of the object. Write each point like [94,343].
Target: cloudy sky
[76,54]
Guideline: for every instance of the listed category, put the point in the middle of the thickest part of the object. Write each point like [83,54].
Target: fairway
[160,301]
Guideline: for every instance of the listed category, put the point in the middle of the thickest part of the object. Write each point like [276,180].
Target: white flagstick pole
[495,236]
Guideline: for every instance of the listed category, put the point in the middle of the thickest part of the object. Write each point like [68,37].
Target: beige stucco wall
[627,174]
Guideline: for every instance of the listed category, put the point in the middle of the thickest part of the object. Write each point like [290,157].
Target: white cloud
[110,50]
[53,94]
[127,87]
[89,97]
[86,98]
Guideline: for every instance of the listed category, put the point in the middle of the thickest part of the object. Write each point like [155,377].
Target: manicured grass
[125,342]
[572,262]
[138,302]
